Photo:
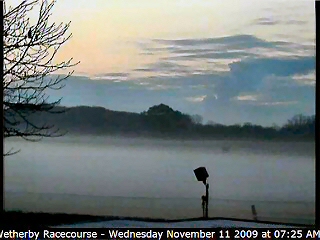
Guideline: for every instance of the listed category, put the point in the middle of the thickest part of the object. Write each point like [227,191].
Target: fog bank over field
[247,146]
[144,174]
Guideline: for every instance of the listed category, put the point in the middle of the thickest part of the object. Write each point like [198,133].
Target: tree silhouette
[300,125]
[163,118]
[197,119]
[29,55]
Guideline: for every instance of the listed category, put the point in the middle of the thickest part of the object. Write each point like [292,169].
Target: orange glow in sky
[106,33]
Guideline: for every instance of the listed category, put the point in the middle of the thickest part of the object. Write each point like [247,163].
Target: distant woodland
[162,121]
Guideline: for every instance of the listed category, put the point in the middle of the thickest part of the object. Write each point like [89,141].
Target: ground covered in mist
[234,145]
[153,178]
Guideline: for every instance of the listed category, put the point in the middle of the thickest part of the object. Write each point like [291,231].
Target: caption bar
[161,233]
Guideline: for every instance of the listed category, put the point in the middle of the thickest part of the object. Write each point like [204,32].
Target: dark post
[202,175]
[254,213]
[207,198]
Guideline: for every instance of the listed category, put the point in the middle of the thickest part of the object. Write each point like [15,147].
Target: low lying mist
[141,168]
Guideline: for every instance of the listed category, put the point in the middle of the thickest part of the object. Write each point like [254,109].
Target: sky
[230,61]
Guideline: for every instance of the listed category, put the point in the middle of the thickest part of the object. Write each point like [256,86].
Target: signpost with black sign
[202,175]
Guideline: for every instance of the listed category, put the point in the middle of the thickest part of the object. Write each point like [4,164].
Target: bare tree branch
[29,65]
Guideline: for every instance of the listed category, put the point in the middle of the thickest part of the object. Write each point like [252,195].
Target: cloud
[162,87]
[262,99]
[111,76]
[265,21]
[276,103]
[234,42]
[165,68]
[297,13]
[295,22]
[273,66]
[272,21]
[181,57]
[246,97]
[306,79]
[196,99]
[256,75]
[229,54]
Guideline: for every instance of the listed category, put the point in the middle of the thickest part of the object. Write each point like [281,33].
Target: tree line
[162,120]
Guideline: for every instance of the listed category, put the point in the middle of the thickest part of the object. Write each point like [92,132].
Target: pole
[203,198]
[254,213]
[207,198]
